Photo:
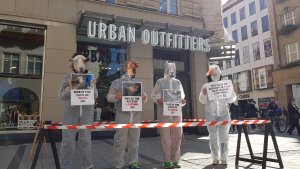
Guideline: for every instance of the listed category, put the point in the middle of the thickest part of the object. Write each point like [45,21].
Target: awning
[139,24]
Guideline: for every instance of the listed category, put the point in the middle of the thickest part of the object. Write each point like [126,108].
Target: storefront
[35,46]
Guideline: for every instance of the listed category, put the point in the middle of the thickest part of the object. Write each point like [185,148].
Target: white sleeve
[155,94]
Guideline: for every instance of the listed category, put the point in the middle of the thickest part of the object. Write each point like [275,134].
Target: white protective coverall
[124,137]
[72,116]
[217,110]
[170,137]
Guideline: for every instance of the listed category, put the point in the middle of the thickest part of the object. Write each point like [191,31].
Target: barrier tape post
[255,159]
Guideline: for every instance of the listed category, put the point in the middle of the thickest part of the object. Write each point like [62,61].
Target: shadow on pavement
[215,167]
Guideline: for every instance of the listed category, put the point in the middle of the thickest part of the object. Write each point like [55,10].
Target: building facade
[37,37]
[247,24]
[285,22]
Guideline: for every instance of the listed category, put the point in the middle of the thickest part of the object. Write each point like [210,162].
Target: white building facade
[247,23]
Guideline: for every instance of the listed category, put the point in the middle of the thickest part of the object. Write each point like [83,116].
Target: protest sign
[172,102]
[82,89]
[219,90]
[132,96]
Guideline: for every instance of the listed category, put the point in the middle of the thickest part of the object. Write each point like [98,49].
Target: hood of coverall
[214,73]
[170,70]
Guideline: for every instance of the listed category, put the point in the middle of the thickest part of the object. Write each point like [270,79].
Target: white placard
[219,90]
[172,102]
[82,89]
[132,96]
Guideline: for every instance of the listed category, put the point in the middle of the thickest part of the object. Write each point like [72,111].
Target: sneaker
[134,166]
[223,162]
[215,162]
[168,165]
[176,165]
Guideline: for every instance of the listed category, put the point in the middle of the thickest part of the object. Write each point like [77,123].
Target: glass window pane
[244,33]
[233,18]
[263,4]
[235,36]
[38,68]
[256,51]
[242,13]
[163,6]
[254,30]
[246,55]
[265,23]
[225,22]
[6,66]
[252,8]
[173,9]
[174,2]
[30,68]
[268,48]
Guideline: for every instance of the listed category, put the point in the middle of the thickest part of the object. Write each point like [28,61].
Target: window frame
[252,31]
[3,59]
[244,12]
[257,45]
[264,2]
[254,9]
[285,21]
[248,61]
[27,60]
[225,18]
[262,23]
[265,51]
[288,53]
[231,18]
[168,5]
[246,31]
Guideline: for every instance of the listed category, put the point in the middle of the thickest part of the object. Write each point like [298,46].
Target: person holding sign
[216,109]
[169,96]
[127,95]
[79,113]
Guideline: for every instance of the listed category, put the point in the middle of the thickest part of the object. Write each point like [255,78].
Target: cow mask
[130,68]
[79,63]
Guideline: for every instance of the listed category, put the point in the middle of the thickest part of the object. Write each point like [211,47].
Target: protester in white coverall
[125,137]
[170,137]
[217,110]
[72,116]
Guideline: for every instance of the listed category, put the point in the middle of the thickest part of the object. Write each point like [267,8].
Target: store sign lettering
[155,38]
[246,96]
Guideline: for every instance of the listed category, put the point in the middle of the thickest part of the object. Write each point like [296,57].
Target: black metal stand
[49,135]
[254,159]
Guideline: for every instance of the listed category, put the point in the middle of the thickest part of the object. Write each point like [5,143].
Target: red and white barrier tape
[156,125]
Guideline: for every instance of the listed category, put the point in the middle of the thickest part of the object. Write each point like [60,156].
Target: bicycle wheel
[281,125]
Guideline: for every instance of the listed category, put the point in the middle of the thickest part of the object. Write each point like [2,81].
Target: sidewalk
[195,153]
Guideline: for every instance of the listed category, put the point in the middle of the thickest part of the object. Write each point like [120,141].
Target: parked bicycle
[276,120]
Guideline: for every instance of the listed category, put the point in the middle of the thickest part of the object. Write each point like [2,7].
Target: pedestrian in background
[293,116]
[234,114]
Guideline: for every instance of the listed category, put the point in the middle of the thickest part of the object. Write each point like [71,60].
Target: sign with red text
[172,102]
[219,90]
[82,89]
[132,96]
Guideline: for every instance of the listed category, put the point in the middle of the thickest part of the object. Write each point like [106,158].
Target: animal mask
[130,68]
[79,63]
[170,70]
[214,73]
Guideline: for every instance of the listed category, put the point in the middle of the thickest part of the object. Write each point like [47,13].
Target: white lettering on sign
[170,40]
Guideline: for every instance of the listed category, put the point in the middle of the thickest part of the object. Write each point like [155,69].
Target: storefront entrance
[181,58]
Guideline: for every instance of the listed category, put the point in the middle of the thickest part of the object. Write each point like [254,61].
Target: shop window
[244,33]
[256,51]
[292,52]
[288,18]
[242,14]
[244,81]
[268,48]
[21,74]
[233,18]
[254,30]
[246,55]
[235,36]
[263,4]
[252,8]
[34,65]
[169,6]
[225,22]
[11,63]
[265,23]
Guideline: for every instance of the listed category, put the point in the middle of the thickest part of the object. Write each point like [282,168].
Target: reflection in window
[242,14]
[168,6]
[265,23]
[246,55]
[34,65]
[288,18]
[256,51]
[268,48]
[233,18]
[254,30]
[11,63]
[252,8]
[244,33]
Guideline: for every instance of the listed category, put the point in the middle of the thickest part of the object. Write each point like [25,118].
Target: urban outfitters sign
[155,38]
